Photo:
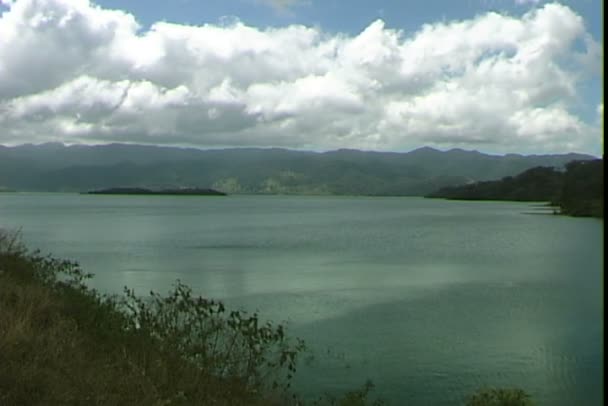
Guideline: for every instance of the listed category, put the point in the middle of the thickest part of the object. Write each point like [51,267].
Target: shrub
[500,397]
[62,342]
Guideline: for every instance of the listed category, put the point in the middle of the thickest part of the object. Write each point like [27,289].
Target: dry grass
[61,345]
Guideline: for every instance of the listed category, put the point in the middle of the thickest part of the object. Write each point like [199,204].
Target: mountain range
[56,167]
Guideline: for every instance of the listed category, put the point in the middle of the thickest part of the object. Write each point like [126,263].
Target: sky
[497,76]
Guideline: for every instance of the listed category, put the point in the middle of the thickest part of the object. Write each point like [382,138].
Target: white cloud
[72,71]
[283,7]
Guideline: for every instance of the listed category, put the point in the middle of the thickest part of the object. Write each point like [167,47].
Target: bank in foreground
[63,343]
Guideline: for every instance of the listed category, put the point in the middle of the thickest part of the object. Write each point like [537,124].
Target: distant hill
[537,184]
[583,189]
[56,167]
[578,190]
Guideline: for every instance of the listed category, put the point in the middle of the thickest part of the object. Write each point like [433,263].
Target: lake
[430,299]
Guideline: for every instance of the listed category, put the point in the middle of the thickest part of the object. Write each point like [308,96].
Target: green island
[144,191]
[576,191]
[62,342]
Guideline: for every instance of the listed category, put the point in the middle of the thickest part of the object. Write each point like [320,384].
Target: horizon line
[225,148]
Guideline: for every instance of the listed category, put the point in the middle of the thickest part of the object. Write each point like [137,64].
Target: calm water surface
[429,299]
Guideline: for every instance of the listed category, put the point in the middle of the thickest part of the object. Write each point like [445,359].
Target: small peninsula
[578,190]
[144,191]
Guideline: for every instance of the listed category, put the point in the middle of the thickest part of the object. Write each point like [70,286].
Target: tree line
[578,190]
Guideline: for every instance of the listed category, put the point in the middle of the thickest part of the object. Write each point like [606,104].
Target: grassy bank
[62,343]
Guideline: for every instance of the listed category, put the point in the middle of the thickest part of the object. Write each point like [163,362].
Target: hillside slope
[55,167]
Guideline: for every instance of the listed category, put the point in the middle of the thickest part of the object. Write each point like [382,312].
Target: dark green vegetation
[583,189]
[143,191]
[56,168]
[536,184]
[500,397]
[578,191]
[63,343]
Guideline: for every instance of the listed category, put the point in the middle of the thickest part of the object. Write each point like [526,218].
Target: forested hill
[583,189]
[76,168]
[579,190]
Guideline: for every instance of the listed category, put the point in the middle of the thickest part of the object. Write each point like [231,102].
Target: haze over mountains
[56,167]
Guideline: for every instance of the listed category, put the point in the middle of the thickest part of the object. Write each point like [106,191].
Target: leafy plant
[500,397]
[231,345]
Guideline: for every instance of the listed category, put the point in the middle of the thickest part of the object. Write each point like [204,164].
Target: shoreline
[162,192]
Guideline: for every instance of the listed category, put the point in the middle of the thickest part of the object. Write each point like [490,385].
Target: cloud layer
[71,71]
